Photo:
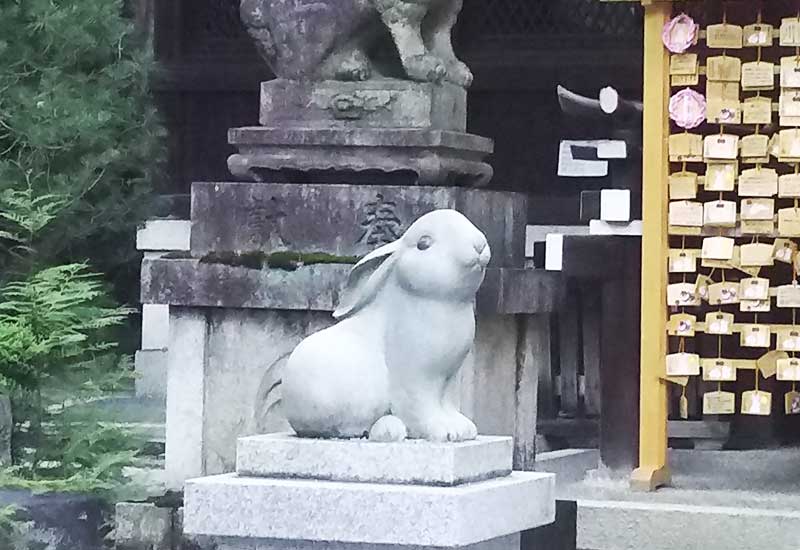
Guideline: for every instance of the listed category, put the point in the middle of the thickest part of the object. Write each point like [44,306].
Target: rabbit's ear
[366,279]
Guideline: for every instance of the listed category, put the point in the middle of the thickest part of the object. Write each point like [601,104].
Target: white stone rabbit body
[407,325]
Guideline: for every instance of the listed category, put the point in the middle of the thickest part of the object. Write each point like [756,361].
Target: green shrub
[79,146]
[76,125]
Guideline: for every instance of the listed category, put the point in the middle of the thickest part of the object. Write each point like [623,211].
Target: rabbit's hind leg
[404,18]
[437,30]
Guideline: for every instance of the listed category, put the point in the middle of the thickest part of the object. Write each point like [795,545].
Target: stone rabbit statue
[335,39]
[406,325]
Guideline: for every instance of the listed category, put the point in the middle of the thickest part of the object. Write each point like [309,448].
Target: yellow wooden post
[653,470]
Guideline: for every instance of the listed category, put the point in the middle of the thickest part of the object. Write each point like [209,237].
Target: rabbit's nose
[480,246]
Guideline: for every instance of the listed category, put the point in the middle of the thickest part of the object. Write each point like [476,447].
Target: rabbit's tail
[388,429]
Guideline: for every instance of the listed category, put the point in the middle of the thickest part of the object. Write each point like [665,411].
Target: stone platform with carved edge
[257,513]
[393,130]
[408,156]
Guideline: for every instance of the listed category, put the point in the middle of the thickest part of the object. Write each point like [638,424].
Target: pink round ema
[680,33]
[687,108]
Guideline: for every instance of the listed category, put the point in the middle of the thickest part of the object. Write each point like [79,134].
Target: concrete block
[151,373]
[344,220]
[510,542]
[224,373]
[232,506]
[626,525]
[409,462]
[379,103]
[155,326]
[185,396]
[164,235]
[317,287]
[615,205]
[569,465]
[141,526]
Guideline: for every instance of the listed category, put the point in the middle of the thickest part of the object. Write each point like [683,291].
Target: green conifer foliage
[77,123]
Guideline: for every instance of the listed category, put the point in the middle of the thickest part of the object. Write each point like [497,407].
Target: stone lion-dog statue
[337,39]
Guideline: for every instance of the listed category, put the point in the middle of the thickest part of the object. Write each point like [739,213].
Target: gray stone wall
[224,373]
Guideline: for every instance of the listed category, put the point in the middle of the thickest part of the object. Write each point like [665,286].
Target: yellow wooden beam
[653,470]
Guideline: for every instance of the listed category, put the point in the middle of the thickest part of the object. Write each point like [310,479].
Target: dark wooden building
[520,50]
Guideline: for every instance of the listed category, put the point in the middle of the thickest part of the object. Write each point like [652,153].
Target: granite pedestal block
[302,512]
[510,542]
[344,220]
[385,103]
[367,513]
[411,462]
[408,156]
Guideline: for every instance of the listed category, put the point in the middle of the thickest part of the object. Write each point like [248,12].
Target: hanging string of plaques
[734,211]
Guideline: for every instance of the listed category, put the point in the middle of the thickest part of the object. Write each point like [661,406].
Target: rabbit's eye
[424,243]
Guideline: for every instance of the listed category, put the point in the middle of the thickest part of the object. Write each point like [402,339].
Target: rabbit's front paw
[465,428]
[446,427]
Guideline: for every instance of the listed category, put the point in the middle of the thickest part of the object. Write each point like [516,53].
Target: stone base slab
[402,155]
[366,513]
[344,220]
[384,103]
[510,542]
[192,283]
[611,525]
[409,462]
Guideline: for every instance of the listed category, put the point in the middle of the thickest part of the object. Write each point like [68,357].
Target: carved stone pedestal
[379,131]
[400,155]
[426,505]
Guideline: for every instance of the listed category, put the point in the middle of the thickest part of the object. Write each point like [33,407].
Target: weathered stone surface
[509,542]
[232,506]
[371,104]
[192,283]
[489,375]
[142,526]
[409,462]
[344,220]
[151,373]
[317,287]
[224,365]
[400,155]
[223,382]
[338,39]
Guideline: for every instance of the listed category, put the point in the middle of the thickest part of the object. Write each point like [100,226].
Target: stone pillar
[155,239]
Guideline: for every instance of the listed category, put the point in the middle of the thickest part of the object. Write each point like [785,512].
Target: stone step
[368,513]
[619,525]
[718,499]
